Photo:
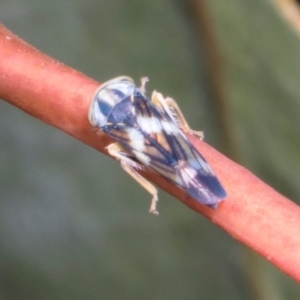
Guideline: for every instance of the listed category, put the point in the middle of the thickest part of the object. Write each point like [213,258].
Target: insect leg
[170,106]
[142,88]
[128,165]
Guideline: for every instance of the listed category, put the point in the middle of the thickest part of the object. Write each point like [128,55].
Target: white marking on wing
[149,125]
[193,186]
[169,128]
[143,158]
[188,174]
[137,140]
[108,97]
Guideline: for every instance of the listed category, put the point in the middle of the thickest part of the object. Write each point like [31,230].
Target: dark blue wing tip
[213,206]
[221,194]
[213,185]
[210,198]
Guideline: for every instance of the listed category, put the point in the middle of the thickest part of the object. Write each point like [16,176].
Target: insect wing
[200,181]
[173,156]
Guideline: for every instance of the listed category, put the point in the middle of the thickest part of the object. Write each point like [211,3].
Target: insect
[151,135]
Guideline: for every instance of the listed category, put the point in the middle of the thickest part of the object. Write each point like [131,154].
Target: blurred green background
[73,225]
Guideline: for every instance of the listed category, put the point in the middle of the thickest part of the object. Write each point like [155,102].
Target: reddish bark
[254,213]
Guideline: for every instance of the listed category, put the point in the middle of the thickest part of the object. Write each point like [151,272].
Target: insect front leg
[170,106]
[142,88]
[128,165]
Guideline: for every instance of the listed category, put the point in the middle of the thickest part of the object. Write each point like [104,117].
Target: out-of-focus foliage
[73,225]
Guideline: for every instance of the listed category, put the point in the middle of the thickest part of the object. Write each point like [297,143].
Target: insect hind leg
[129,166]
[170,106]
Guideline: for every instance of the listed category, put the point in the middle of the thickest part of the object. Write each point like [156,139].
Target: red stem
[254,213]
